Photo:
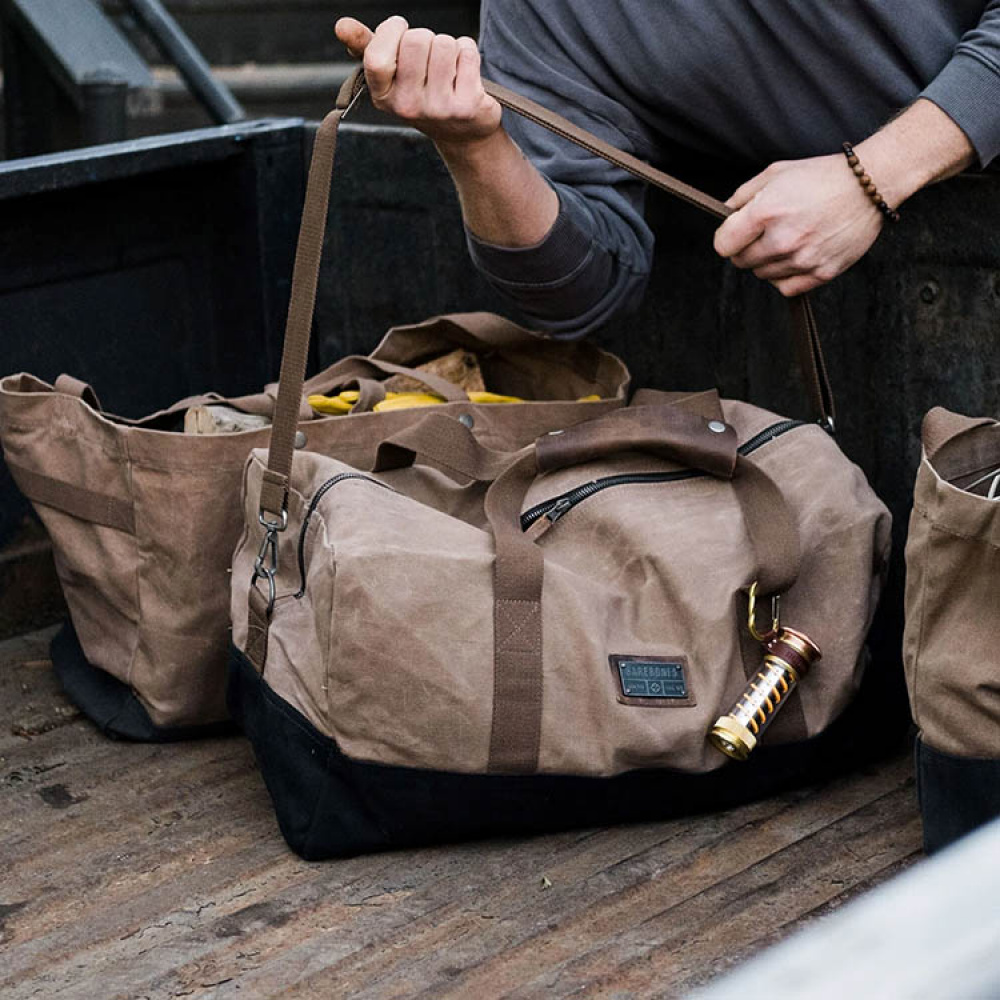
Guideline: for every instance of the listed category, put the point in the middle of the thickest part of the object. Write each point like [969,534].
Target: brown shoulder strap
[626,161]
[804,330]
[305,277]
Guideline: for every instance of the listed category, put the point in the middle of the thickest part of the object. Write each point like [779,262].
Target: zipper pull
[559,508]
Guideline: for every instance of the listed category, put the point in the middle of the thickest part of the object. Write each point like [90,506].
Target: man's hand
[802,223]
[433,83]
[430,81]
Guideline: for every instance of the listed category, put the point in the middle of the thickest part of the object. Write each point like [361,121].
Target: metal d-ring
[752,615]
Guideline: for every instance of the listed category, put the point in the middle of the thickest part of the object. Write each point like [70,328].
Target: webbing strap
[305,278]
[87,505]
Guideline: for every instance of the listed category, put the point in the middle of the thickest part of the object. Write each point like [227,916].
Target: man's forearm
[505,200]
[919,147]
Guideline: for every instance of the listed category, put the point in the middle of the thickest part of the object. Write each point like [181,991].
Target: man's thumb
[354,35]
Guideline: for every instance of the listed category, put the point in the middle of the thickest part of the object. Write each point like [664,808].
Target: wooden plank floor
[130,871]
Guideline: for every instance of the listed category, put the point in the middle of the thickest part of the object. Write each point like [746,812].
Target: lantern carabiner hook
[752,616]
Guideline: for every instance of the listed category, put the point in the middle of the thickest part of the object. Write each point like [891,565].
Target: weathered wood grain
[132,871]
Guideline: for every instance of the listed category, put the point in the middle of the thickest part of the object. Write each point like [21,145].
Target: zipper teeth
[313,504]
[567,501]
[768,434]
[580,493]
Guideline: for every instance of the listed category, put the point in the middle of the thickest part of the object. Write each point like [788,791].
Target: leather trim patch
[652,681]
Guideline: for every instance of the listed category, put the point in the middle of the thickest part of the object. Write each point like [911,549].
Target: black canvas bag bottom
[111,705]
[329,805]
[957,794]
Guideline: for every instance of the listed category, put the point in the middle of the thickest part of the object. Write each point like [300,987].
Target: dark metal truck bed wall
[152,269]
[913,326]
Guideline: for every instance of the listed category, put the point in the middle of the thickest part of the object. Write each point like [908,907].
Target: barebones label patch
[652,680]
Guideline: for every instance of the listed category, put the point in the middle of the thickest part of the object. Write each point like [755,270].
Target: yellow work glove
[346,401]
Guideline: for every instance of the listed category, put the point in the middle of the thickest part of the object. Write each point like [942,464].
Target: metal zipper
[313,504]
[561,505]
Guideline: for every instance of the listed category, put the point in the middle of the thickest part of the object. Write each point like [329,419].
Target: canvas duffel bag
[457,641]
[144,519]
[951,646]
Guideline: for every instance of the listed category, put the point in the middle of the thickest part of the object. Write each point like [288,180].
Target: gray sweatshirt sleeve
[595,261]
[968,88]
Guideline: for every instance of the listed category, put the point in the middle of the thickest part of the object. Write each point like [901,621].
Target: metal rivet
[300,439]
[465,419]
[930,292]
[717,427]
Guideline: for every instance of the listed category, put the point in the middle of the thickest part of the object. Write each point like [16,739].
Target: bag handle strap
[305,278]
[664,430]
[561,126]
[518,576]
[67,385]
[667,431]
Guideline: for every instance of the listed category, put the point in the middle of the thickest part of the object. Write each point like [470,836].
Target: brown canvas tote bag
[457,640]
[144,519]
[951,646]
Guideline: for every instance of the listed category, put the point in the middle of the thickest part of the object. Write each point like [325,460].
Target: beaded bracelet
[868,184]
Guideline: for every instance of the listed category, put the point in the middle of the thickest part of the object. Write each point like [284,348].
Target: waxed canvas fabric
[382,634]
[952,639]
[144,519]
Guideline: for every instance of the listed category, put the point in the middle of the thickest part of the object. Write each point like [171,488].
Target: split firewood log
[459,366]
[217,419]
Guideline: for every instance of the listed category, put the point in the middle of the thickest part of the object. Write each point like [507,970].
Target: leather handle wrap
[665,431]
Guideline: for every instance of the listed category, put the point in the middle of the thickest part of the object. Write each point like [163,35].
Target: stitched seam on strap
[512,616]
